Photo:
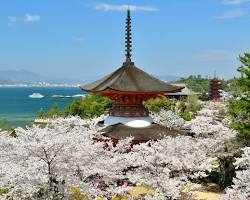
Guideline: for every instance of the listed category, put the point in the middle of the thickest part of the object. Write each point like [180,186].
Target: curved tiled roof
[129,78]
[152,132]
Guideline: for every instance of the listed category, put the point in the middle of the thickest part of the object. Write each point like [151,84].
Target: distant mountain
[168,78]
[20,76]
[25,76]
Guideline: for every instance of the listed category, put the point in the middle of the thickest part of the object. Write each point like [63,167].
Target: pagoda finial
[128,41]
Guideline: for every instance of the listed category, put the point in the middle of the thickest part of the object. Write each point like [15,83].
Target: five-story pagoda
[129,87]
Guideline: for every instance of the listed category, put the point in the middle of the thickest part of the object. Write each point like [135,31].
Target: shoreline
[17,109]
[39,86]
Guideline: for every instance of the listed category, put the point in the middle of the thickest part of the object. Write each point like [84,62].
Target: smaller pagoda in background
[129,88]
[215,85]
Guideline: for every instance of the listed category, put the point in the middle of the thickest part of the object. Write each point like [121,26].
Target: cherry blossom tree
[241,184]
[45,162]
[168,119]
[169,164]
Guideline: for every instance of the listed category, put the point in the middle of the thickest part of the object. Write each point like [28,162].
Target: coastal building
[129,87]
[183,94]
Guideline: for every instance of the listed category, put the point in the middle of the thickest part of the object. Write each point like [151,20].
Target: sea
[18,109]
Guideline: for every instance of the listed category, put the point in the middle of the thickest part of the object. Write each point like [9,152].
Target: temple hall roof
[184,92]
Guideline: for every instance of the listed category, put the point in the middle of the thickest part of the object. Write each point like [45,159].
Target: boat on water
[78,95]
[66,96]
[36,95]
[57,96]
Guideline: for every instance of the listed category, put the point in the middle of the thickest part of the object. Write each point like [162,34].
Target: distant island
[38,84]
[25,78]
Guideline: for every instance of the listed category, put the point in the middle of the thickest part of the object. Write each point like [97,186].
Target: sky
[83,38]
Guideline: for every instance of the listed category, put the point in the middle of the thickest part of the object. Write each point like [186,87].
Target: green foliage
[3,124]
[234,88]
[200,84]
[188,108]
[76,194]
[192,103]
[54,111]
[119,198]
[41,114]
[225,172]
[88,107]
[156,104]
[196,83]
[239,107]
[188,116]
[204,96]
[244,81]
[3,191]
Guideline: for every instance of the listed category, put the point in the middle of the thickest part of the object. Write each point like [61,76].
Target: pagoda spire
[128,38]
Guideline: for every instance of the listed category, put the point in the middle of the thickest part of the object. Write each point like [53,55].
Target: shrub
[54,111]
[89,106]
[225,172]
[41,114]
[156,104]
[3,124]
[192,103]
[3,191]
[76,194]
[188,108]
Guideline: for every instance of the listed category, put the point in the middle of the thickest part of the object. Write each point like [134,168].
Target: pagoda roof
[152,132]
[129,78]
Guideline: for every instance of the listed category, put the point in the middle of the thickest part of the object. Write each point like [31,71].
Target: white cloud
[31,18]
[123,7]
[12,19]
[214,55]
[234,2]
[78,39]
[231,14]
[25,18]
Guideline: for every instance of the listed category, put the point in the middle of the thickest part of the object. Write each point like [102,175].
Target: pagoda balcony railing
[128,111]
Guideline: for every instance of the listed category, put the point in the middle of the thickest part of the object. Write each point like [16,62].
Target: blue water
[19,110]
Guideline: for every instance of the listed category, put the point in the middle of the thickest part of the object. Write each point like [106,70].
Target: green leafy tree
[200,84]
[234,87]
[196,83]
[54,111]
[88,107]
[225,172]
[3,124]
[41,114]
[187,108]
[77,194]
[193,103]
[239,107]
[156,104]
[3,191]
